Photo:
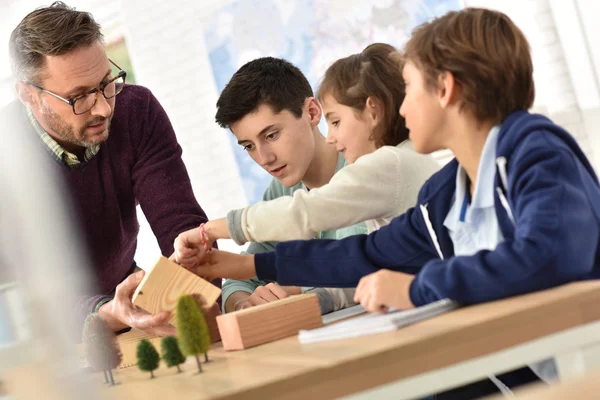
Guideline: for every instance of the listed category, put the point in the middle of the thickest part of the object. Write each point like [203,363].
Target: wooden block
[269,322]
[162,286]
[128,342]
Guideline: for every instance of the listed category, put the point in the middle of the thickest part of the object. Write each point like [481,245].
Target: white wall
[166,46]
[11,12]
[562,34]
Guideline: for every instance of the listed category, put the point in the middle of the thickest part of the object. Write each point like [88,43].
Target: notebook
[344,313]
[376,323]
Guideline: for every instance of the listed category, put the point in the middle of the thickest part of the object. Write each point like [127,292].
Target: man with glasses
[112,143]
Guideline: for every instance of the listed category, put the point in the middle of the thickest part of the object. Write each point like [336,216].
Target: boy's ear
[374,110]
[27,95]
[314,111]
[449,92]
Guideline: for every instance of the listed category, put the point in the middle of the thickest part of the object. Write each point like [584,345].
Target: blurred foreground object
[42,272]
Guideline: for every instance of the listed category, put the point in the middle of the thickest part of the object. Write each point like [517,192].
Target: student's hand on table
[222,264]
[120,313]
[383,289]
[268,293]
[263,294]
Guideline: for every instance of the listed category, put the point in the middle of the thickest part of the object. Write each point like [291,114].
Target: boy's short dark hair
[271,81]
[486,52]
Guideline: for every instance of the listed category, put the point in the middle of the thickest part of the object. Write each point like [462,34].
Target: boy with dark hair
[517,211]
[269,106]
[271,81]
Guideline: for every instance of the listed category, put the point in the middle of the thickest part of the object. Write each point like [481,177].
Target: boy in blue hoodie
[517,211]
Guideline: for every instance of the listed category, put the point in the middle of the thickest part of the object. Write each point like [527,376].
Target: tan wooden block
[128,342]
[269,322]
[164,283]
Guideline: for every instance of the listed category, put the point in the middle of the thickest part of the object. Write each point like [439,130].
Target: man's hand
[120,313]
[222,264]
[383,289]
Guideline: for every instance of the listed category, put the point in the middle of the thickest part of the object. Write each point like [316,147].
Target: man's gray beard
[66,132]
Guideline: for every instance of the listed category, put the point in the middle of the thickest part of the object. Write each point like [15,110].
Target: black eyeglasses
[85,102]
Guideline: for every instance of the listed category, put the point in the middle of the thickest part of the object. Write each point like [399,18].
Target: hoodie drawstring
[501,163]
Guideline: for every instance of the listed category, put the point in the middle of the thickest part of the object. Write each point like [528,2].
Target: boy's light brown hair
[375,73]
[488,55]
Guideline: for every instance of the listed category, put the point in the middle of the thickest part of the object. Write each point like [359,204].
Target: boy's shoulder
[277,189]
[524,135]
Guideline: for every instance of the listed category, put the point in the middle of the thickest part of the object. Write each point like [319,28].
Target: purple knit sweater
[140,163]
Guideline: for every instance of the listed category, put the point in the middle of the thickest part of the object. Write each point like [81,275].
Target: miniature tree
[171,352]
[202,306]
[192,329]
[101,347]
[147,356]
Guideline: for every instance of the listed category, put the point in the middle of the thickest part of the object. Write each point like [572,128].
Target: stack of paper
[376,323]
[344,313]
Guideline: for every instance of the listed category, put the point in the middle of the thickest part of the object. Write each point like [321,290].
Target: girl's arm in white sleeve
[370,188]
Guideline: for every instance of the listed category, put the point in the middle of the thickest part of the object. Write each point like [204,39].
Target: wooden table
[447,351]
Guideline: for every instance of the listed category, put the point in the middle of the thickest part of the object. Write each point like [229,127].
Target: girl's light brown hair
[375,73]
[487,54]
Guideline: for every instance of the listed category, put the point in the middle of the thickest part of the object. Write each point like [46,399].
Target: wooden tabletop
[286,369]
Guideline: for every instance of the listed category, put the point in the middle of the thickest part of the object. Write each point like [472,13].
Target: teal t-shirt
[275,190]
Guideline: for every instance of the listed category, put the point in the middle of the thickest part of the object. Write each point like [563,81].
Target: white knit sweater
[376,188]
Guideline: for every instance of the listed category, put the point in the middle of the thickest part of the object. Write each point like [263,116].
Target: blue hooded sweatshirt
[547,202]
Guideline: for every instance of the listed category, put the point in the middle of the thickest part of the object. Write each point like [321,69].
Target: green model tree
[192,329]
[202,305]
[101,347]
[147,356]
[171,353]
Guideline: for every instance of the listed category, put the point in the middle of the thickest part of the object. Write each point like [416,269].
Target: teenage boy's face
[348,129]
[281,143]
[422,111]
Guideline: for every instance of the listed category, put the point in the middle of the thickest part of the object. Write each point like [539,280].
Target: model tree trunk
[198,362]
[111,378]
[101,347]
[206,357]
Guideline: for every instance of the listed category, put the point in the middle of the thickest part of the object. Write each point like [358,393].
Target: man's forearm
[236,301]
